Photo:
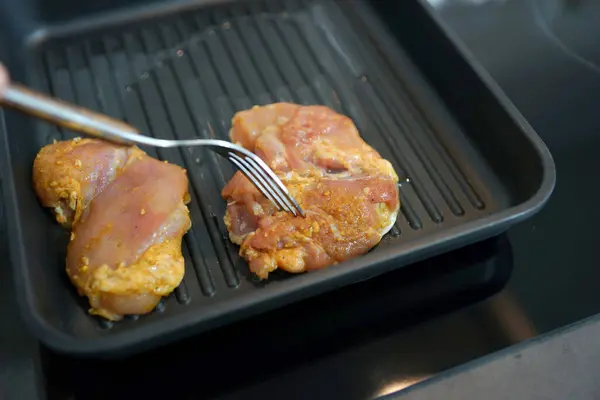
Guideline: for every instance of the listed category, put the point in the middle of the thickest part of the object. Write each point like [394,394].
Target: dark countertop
[543,54]
[560,365]
[389,333]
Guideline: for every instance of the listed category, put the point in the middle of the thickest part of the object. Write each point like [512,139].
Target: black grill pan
[470,165]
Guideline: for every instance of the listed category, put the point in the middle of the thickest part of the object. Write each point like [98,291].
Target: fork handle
[67,115]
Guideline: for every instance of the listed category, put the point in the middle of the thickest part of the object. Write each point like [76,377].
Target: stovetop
[388,333]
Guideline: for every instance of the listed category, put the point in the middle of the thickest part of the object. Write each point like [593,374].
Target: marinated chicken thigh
[347,190]
[128,215]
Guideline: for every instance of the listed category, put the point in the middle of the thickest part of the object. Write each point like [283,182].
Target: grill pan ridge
[184,76]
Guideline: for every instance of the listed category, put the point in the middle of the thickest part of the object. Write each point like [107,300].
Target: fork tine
[252,166]
[257,181]
[249,174]
[269,183]
[273,182]
[270,176]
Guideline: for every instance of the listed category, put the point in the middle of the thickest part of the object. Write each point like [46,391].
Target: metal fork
[103,127]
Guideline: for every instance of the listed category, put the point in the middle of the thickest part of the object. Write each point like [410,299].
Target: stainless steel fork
[103,127]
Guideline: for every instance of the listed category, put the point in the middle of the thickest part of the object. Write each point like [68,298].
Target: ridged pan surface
[185,76]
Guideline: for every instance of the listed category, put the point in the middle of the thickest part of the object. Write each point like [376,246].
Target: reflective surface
[547,64]
[355,335]
[386,334]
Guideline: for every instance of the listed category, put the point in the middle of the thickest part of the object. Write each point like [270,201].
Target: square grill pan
[469,164]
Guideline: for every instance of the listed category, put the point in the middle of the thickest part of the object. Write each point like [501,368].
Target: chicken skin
[348,191]
[127,215]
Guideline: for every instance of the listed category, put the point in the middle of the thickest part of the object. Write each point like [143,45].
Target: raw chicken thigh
[128,215]
[347,190]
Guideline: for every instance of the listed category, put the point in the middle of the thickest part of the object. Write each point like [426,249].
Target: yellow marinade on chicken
[127,215]
[347,190]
